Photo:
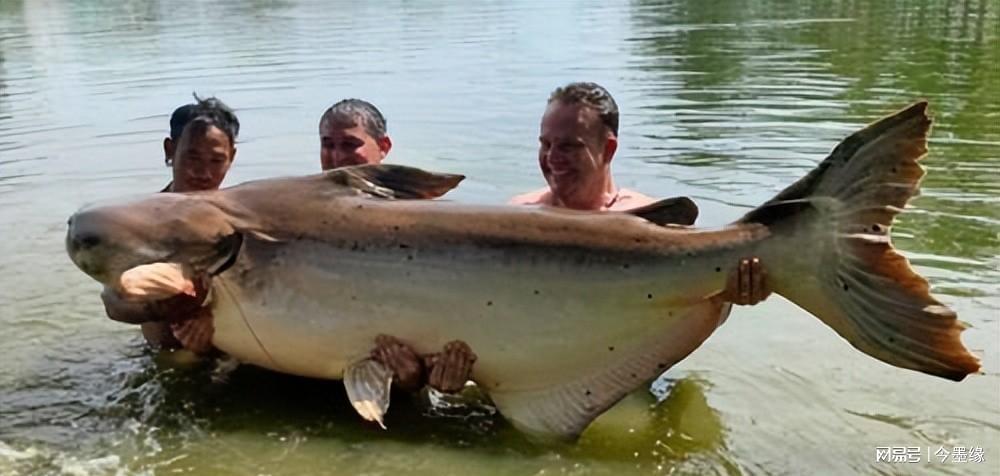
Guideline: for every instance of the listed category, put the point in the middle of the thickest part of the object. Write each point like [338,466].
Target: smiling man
[577,141]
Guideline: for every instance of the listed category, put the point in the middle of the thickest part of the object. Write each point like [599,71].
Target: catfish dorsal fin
[394,181]
[669,211]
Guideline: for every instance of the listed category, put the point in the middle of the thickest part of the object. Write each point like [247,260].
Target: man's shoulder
[629,199]
[537,197]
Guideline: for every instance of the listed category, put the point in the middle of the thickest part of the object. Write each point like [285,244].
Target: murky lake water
[724,101]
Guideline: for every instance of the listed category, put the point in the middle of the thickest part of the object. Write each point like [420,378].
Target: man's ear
[610,147]
[168,151]
[384,144]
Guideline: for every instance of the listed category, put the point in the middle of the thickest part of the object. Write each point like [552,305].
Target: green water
[723,101]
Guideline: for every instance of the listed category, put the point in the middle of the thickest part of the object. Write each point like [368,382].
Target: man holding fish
[353,132]
[579,137]
[570,311]
[169,306]
[577,142]
[200,149]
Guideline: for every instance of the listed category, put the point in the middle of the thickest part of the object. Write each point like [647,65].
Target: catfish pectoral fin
[368,383]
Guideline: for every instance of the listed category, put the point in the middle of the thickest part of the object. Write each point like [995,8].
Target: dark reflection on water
[726,101]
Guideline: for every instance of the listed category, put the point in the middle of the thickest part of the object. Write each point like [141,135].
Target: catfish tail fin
[843,267]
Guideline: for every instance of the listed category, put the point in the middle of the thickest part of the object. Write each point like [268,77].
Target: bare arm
[157,333]
[155,317]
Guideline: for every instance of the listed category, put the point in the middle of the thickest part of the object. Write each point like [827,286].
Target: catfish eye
[90,241]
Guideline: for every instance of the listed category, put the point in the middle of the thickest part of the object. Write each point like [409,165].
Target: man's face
[574,152]
[202,158]
[349,144]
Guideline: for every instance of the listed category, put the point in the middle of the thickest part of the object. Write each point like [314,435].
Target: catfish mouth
[105,259]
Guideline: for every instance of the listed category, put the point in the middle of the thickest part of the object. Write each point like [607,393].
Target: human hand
[747,284]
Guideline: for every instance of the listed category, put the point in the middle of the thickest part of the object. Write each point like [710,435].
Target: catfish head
[204,230]
[105,240]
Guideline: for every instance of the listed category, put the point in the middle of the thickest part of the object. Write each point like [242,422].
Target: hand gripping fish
[568,311]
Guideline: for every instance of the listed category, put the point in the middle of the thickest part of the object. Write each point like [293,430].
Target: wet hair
[179,119]
[213,112]
[591,95]
[358,112]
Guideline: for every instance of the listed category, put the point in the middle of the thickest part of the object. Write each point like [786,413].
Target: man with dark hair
[577,140]
[179,119]
[579,137]
[200,150]
[352,132]
[204,151]
[211,131]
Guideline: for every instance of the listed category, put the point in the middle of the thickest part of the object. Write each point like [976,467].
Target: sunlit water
[723,101]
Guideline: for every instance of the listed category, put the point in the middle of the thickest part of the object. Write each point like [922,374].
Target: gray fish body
[567,311]
[534,309]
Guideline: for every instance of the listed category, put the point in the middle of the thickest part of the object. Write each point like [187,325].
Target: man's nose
[199,173]
[347,160]
[556,159]
[340,157]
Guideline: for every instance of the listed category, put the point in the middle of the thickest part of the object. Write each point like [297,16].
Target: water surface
[723,101]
